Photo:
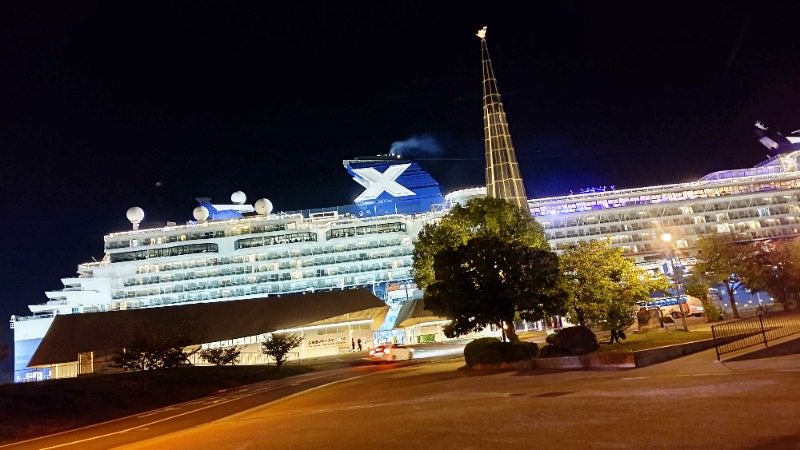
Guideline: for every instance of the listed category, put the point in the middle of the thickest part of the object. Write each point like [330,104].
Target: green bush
[480,351]
[221,356]
[711,310]
[491,351]
[519,351]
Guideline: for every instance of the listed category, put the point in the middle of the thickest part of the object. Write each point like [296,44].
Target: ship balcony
[34,317]
[45,308]
[56,302]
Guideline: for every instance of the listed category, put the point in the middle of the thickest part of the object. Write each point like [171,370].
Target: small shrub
[519,351]
[490,351]
[712,311]
[221,356]
[152,351]
[277,345]
[576,340]
[475,352]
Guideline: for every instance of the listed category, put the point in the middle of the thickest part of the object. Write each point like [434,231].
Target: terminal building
[237,252]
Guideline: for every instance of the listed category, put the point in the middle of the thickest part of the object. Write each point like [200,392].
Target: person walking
[353,344]
[359,344]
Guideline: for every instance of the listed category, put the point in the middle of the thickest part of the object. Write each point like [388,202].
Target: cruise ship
[753,203]
[240,251]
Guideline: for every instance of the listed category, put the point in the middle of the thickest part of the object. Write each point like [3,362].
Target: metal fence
[743,333]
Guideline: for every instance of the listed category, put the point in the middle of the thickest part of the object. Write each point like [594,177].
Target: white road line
[143,426]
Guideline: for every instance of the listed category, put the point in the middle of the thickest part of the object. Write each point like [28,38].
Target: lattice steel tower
[503,179]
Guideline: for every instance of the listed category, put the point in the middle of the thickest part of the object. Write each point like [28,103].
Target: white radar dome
[263,206]
[238,197]
[200,213]
[135,214]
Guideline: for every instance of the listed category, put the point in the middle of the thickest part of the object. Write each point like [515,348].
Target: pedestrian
[617,335]
[359,344]
[353,343]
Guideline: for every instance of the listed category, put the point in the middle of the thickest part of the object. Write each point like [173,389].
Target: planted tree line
[487,264]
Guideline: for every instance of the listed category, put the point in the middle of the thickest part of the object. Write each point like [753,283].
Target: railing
[743,333]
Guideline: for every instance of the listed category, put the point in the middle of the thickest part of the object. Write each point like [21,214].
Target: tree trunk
[733,302]
[511,333]
[581,320]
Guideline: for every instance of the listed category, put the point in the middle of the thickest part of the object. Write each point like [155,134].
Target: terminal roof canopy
[413,312]
[72,334]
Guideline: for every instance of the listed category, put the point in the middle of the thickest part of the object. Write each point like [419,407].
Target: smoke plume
[422,145]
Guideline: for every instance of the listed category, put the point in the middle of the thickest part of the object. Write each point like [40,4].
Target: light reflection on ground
[420,353]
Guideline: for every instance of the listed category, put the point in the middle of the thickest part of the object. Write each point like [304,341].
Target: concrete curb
[607,360]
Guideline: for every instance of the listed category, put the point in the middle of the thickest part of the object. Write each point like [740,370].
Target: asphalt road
[691,402]
[167,420]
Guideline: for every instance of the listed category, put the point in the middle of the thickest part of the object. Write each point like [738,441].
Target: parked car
[675,314]
[391,352]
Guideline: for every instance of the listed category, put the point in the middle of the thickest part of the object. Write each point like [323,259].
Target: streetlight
[666,237]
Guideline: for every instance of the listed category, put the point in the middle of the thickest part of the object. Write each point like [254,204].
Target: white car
[391,352]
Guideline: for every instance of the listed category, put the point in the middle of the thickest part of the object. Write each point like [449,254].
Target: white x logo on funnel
[376,182]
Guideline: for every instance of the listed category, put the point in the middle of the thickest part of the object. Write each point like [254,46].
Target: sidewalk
[781,355]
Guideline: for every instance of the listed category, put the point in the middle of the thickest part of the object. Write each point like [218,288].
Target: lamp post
[666,237]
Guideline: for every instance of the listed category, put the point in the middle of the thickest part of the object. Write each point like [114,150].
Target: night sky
[107,105]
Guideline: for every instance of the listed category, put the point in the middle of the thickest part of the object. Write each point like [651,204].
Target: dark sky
[110,105]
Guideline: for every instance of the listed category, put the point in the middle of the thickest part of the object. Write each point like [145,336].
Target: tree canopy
[696,284]
[488,281]
[221,356]
[722,259]
[604,285]
[480,217]
[277,345]
[484,262]
[151,351]
[775,269]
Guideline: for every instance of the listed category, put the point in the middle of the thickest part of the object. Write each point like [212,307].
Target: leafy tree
[619,316]
[488,280]
[479,217]
[722,259]
[604,285]
[151,351]
[777,270]
[697,285]
[221,356]
[277,345]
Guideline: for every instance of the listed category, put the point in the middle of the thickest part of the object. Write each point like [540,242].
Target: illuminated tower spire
[503,179]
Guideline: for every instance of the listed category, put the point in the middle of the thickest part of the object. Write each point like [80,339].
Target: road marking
[174,407]
[269,386]
[151,413]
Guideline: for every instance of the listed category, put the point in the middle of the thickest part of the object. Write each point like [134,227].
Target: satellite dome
[135,214]
[263,206]
[200,213]
[238,197]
